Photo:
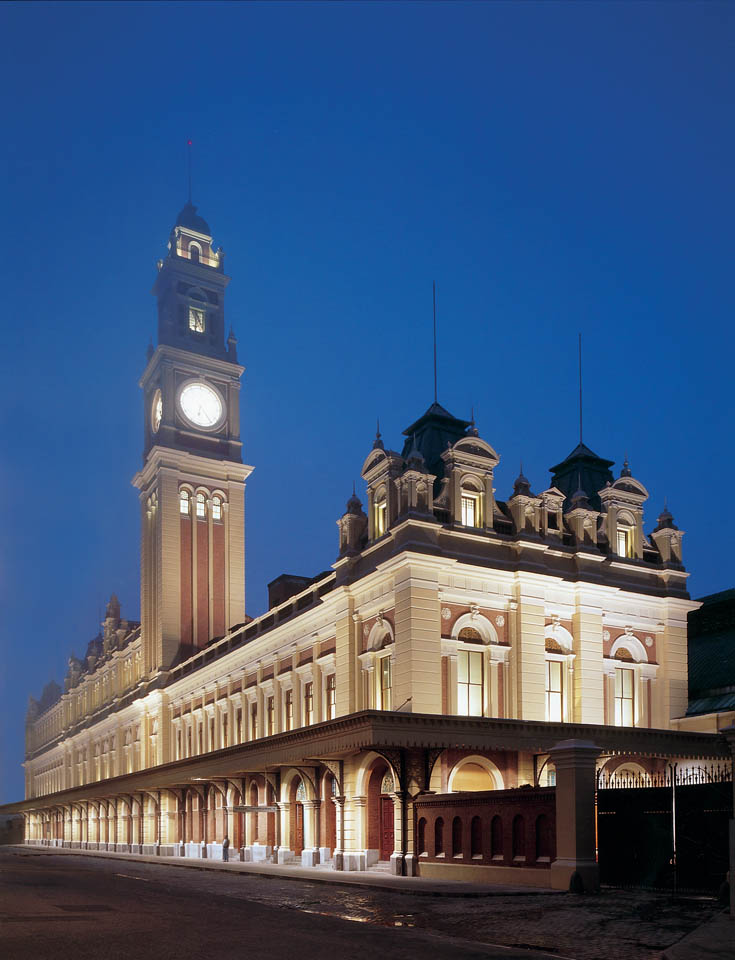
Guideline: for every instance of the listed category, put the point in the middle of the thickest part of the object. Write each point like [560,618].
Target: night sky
[554,167]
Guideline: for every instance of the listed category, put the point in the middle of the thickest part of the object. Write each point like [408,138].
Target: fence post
[575,761]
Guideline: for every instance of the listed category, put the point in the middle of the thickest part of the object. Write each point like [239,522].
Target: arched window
[216,508]
[625,535]
[439,837]
[195,251]
[519,838]
[496,838]
[543,838]
[457,837]
[184,502]
[380,513]
[201,506]
[476,838]
[471,504]
[421,835]
[624,690]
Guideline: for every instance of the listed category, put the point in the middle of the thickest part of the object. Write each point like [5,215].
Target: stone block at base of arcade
[285,855]
[396,864]
[325,854]
[309,858]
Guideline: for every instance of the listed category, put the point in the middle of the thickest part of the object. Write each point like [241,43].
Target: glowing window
[386,683]
[381,515]
[216,508]
[184,502]
[196,319]
[308,703]
[625,542]
[469,683]
[201,505]
[331,697]
[554,691]
[624,700]
[469,511]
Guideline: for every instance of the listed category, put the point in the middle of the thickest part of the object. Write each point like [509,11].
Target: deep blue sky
[555,167]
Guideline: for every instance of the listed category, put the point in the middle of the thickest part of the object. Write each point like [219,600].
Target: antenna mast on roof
[580,388]
[188,154]
[433,290]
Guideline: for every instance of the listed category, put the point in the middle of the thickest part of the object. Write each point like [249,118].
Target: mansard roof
[584,470]
[433,431]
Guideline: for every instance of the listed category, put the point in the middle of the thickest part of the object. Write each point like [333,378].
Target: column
[417,676]
[575,867]
[530,661]
[285,853]
[310,853]
[587,699]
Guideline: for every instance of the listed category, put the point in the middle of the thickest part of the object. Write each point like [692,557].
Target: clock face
[201,405]
[156,411]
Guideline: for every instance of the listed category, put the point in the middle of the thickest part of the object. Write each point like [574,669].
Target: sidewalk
[349,878]
[714,940]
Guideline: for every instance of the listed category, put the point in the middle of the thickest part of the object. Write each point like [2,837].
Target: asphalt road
[56,906]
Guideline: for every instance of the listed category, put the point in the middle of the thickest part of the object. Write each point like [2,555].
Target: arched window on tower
[625,536]
[201,506]
[216,508]
[195,252]
[184,502]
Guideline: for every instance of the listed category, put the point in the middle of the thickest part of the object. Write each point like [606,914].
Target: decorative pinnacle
[378,445]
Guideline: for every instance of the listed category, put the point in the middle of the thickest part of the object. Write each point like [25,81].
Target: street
[57,905]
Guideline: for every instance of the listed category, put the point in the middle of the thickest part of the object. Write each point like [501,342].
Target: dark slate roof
[582,469]
[711,633]
[191,219]
[433,431]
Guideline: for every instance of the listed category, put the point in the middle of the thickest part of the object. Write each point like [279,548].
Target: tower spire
[188,155]
[433,291]
[580,388]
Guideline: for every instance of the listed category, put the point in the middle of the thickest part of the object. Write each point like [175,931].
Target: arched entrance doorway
[381,836]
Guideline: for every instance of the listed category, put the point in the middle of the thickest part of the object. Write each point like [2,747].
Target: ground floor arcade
[377,787]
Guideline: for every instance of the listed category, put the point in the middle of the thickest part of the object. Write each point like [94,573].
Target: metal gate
[665,831]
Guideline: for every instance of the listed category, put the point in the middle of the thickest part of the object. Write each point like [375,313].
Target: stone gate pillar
[575,761]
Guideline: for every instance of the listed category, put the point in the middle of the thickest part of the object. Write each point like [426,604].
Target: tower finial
[188,153]
[378,444]
[433,292]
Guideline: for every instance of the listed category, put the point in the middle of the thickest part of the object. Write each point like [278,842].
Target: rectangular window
[624,700]
[469,511]
[270,717]
[239,724]
[254,722]
[470,683]
[178,744]
[225,742]
[201,738]
[554,691]
[308,703]
[289,710]
[331,697]
[196,319]
[216,509]
[386,683]
[211,733]
[184,503]
[201,505]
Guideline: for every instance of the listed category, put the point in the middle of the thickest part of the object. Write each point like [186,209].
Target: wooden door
[386,828]
[298,840]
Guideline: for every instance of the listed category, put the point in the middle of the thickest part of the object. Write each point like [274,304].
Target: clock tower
[192,484]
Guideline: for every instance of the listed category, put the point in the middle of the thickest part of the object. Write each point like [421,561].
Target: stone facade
[456,641]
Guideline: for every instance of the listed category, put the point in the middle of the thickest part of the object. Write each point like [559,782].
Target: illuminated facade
[456,641]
